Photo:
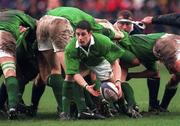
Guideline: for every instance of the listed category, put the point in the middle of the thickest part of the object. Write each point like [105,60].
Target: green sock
[78,97]
[153,88]
[167,97]
[97,84]
[12,91]
[67,97]
[169,92]
[128,94]
[56,81]
[37,92]
[88,99]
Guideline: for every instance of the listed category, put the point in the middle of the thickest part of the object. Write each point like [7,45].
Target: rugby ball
[109,91]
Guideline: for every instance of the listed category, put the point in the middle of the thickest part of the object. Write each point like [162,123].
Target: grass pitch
[47,110]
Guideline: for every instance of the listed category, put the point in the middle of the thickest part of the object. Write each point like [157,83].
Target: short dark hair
[84,25]
[126,14]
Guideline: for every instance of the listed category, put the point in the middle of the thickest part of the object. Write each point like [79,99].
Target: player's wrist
[118,81]
[85,86]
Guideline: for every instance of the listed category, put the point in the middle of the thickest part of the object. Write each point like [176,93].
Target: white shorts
[167,50]
[53,33]
[103,70]
[4,54]
[7,44]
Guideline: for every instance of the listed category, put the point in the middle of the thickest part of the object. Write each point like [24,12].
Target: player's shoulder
[71,44]
[100,37]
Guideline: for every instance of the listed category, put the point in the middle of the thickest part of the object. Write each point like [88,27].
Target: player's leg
[83,111]
[37,91]
[88,96]
[167,50]
[128,60]
[131,108]
[67,91]
[52,41]
[8,66]
[103,72]
[73,92]
[153,84]
[169,93]
[7,62]
[53,78]
[3,98]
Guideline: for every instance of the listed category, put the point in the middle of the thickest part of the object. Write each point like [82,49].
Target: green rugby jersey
[103,48]
[75,15]
[141,46]
[12,19]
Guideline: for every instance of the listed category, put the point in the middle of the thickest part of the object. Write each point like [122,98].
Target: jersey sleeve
[71,61]
[108,32]
[168,19]
[113,52]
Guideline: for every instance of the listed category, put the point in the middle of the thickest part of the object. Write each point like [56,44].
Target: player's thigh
[44,67]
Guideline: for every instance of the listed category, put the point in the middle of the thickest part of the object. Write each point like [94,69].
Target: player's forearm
[80,80]
[117,76]
[167,19]
[116,70]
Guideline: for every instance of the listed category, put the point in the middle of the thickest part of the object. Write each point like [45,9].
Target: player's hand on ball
[118,86]
[91,90]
